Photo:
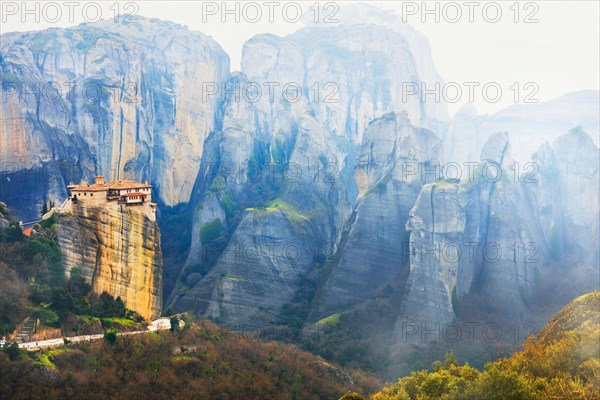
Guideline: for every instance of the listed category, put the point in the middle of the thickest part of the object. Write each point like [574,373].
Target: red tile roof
[27,232]
[98,187]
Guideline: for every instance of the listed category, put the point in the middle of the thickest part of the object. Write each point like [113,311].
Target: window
[92,194]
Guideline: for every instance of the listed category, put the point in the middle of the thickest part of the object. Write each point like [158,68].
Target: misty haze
[289,200]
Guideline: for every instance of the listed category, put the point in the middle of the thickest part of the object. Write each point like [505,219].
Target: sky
[530,50]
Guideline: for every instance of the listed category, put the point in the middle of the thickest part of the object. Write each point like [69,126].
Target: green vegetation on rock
[122,322]
[234,276]
[323,159]
[209,231]
[380,185]
[228,203]
[331,320]
[277,152]
[290,211]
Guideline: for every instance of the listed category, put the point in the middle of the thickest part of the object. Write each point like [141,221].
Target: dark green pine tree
[44,208]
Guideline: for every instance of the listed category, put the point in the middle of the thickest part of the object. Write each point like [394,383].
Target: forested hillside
[202,362]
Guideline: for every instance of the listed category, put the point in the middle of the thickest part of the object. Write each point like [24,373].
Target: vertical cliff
[370,254]
[118,250]
[510,252]
[436,222]
[113,99]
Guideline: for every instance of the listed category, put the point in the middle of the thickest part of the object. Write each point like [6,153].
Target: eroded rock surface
[118,250]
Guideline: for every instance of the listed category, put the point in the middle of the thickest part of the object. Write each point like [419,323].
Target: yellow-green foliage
[87,319]
[447,381]
[563,363]
[234,276]
[332,320]
[279,205]
[47,357]
[182,359]
[124,322]
[443,183]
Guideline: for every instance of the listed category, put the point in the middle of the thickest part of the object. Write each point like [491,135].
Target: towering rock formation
[276,243]
[436,224]
[113,99]
[502,231]
[348,74]
[566,195]
[118,251]
[529,125]
[323,165]
[229,174]
[548,201]
[296,146]
[577,165]
[372,253]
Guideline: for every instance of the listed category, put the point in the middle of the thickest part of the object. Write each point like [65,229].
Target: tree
[46,316]
[111,336]
[62,302]
[77,284]
[13,233]
[107,306]
[169,311]
[44,209]
[119,308]
[174,324]
[502,383]
[352,396]
[12,351]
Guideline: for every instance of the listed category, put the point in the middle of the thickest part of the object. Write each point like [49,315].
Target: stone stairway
[28,329]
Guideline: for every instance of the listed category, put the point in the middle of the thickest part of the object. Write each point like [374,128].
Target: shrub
[12,351]
[174,324]
[210,231]
[49,223]
[13,233]
[111,336]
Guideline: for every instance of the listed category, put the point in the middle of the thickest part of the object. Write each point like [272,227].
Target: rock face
[229,170]
[118,251]
[529,125]
[126,106]
[577,164]
[361,72]
[567,195]
[331,170]
[495,235]
[275,245]
[259,271]
[372,252]
[502,229]
[548,201]
[436,224]
[300,152]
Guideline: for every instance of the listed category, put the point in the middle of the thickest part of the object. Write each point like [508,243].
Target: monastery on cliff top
[118,193]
